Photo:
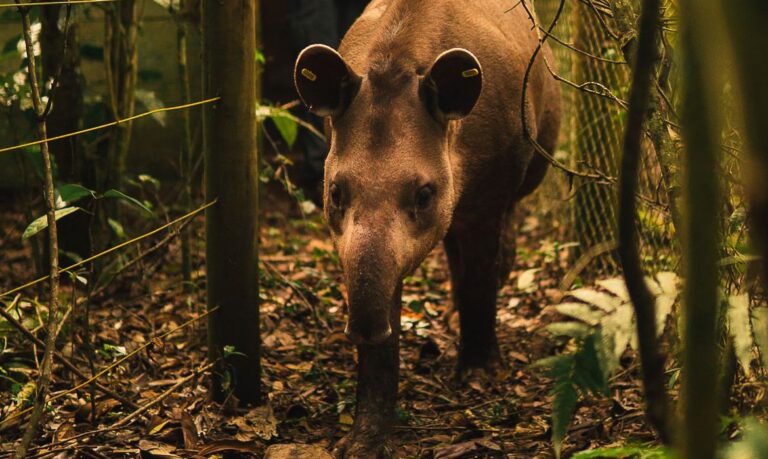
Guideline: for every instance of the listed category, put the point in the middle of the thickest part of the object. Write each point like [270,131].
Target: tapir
[423,105]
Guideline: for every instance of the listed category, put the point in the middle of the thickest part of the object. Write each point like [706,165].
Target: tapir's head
[389,187]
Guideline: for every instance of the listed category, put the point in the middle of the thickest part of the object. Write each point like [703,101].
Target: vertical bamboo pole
[701,133]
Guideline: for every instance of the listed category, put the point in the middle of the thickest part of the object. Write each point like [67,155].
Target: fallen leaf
[296,451]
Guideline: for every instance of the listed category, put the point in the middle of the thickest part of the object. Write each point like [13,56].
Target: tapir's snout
[372,276]
[368,331]
[370,302]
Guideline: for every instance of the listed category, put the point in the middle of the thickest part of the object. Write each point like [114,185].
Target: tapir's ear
[326,84]
[453,84]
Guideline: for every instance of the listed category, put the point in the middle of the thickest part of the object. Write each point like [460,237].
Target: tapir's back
[415,32]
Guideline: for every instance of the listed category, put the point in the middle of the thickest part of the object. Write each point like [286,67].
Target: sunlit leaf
[752,445]
[41,223]
[740,329]
[151,101]
[760,329]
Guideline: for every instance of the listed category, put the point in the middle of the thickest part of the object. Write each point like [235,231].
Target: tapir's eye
[335,195]
[424,197]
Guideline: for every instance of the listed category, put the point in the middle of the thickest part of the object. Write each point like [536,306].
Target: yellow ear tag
[306,73]
[471,73]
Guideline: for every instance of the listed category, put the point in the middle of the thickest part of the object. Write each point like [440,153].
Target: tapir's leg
[377,378]
[474,258]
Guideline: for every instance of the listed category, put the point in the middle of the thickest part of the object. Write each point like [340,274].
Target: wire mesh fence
[596,79]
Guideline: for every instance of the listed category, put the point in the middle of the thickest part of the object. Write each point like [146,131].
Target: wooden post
[231,175]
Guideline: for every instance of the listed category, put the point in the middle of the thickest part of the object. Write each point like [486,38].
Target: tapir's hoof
[361,446]
[491,370]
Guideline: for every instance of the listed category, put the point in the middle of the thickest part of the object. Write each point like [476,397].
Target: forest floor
[308,365]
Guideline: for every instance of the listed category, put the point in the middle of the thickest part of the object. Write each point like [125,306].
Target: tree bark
[121,65]
[644,303]
[44,378]
[231,161]
[60,57]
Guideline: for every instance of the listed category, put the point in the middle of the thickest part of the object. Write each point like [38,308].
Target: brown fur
[386,146]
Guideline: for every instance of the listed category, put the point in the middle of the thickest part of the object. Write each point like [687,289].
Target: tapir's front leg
[377,378]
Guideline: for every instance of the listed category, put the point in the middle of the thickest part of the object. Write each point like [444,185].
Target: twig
[44,378]
[64,361]
[524,100]
[113,249]
[643,301]
[108,368]
[126,420]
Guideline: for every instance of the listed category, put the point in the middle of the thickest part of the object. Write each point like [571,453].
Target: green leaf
[752,445]
[601,300]
[41,223]
[563,408]
[572,329]
[146,178]
[260,58]
[760,329]
[120,195]
[740,328]
[639,452]
[150,100]
[117,228]
[616,286]
[589,373]
[285,122]
[72,192]
[287,127]
[580,311]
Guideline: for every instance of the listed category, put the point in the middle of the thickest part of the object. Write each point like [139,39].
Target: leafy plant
[749,330]
[752,445]
[602,329]
[634,452]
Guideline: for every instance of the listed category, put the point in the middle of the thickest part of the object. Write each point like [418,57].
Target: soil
[308,365]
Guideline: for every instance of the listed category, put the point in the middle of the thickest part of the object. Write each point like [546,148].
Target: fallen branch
[63,360]
[126,420]
[110,367]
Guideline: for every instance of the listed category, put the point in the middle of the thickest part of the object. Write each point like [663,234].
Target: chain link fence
[595,86]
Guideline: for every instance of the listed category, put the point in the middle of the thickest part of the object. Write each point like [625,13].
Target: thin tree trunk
[121,64]
[230,145]
[60,57]
[44,379]
[185,158]
[642,299]
[701,133]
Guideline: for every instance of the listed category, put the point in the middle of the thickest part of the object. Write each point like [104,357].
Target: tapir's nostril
[368,335]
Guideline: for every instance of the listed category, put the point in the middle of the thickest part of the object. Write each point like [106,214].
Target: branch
[642,299]
[44,378]
[126,420]
[110,367]
[600,177]
[113,249]
[65,361]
